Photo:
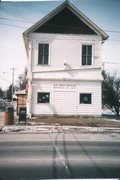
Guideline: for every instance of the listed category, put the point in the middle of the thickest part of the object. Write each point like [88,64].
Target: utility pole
[20,77]
[13,69]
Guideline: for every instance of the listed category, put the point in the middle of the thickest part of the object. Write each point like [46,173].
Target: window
[43,98]
[85,99]
[86,55]
[43,54]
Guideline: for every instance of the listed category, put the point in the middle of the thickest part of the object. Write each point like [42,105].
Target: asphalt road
[59,155]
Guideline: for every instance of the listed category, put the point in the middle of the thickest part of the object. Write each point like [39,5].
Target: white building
[64,64]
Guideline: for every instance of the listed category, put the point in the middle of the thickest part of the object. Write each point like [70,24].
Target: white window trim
[43,103]
[87,44]
[37,45]
[92,98]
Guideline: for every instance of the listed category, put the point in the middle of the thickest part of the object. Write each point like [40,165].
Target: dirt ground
[76,121]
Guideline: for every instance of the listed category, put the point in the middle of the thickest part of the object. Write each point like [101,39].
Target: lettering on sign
[64,86]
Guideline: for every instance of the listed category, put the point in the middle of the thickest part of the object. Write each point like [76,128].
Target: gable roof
[84,22]
[65,22]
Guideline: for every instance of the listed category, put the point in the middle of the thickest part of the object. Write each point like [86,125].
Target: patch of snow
[107,112]
[56,129]
[56,124]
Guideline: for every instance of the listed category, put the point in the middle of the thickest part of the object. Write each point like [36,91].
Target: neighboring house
[64,64]
[21,99]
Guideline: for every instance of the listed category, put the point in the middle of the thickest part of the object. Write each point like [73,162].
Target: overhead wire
[5,79]
[20,20]
[26,27]
[112,31]
[13,25]
[110,62]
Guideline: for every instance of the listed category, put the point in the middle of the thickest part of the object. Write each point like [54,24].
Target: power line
[26,27]
[110,62]
[113,31]
[5,79]
[13,69]
[13,25]
[8,19]
[113,39]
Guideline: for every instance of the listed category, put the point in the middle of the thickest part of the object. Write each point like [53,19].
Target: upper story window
[43,54]
[86,55]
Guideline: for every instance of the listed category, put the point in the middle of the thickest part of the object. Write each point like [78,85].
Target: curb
[55,129]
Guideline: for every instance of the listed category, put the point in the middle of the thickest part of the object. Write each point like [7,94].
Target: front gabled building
[64,64]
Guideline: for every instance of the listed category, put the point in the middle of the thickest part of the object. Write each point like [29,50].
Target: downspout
[30,79]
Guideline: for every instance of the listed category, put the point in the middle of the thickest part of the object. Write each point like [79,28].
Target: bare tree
[9,93]
[23,80]
[111,92]
[1,93]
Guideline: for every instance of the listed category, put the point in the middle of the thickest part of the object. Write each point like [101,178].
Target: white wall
[64,48]
[95,89]
[64,98]
[78,74]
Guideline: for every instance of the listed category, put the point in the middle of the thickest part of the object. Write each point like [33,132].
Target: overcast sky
[16,17]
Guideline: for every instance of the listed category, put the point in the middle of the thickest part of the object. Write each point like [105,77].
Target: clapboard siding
[65,102]
[64,98]
[64,49]
[83,74]
[38,109]
[95,89]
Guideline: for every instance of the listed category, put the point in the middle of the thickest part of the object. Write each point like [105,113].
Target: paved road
[59,155]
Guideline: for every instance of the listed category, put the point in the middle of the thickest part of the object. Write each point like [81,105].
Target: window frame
[86,64]
[48,54]
[86,93]
[47,102]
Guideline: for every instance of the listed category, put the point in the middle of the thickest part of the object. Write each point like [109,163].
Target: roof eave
[86,20]
[46,18]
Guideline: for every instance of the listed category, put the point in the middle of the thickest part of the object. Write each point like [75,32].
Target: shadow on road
[102,174]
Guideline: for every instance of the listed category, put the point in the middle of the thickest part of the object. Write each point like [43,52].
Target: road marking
[61,157]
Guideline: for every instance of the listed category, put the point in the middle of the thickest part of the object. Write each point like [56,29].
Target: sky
[17,16]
